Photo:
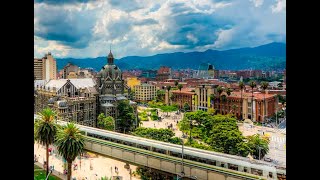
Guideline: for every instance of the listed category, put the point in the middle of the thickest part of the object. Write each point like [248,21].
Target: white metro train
[233,162]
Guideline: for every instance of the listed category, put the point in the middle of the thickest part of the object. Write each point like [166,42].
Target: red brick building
[180,98]
[163,73]
[261,109]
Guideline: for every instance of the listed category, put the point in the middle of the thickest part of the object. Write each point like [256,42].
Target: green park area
[40,174]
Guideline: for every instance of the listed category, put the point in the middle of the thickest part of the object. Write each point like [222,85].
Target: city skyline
[142,28]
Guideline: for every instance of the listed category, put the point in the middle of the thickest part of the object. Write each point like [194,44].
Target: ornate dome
[110,70]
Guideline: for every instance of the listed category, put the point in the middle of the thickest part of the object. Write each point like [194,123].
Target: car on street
[267,159]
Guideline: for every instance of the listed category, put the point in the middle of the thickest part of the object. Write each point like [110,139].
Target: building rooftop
[257,95]
[78,83]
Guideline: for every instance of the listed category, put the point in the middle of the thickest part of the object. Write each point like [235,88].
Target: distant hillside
[267,57]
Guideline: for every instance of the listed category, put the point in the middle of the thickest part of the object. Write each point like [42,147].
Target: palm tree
[234,107]
[168,89]
[219,90]
[212,96]
[228,91]
[252,84]
[176,83]
[180,87]
[70,144]
[264,85]
[45,131]
[241,86]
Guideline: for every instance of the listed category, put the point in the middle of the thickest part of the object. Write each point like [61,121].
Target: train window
[202,160]
[256,171]
[245,169]
[270,174]
[222,164]
[233,167]
[159,150]
[212,162]
[176,154]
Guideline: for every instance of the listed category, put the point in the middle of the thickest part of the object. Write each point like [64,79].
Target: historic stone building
[111,88]
[82,100]
[72,99]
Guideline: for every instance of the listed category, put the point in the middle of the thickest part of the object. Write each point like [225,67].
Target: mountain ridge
[270,56]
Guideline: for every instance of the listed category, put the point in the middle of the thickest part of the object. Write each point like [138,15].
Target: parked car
[267,159]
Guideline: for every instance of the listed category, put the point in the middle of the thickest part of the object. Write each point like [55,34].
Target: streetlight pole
[190,131]
[259,152]
[182,166]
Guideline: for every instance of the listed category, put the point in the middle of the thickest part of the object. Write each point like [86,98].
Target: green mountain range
[266,57]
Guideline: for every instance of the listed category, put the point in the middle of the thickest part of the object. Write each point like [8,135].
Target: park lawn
[40,174]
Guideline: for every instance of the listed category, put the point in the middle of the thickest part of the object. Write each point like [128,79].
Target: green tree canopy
[126,118]
[106,123]
[186,107]
[256,142]
[165,135]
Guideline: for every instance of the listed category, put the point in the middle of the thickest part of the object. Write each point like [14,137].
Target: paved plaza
[277,146]
[172,118]
[101,166]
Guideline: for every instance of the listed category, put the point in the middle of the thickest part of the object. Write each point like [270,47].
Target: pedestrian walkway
[282,130]
[278,139]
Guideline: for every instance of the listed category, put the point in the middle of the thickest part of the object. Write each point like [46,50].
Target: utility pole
[259,152]
[190,130]
[182,165]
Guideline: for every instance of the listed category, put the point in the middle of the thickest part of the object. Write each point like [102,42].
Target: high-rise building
[45,68]
[38,69]
[206,70]
[145,92]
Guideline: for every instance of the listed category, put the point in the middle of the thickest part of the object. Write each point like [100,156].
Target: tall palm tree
[234,107]
[219,90]
[45,131]
[176,83]
[180,87]
[228,91]
[212,96]
[252,84]
[70,144]
[168,89]
[241,86]
[264,85]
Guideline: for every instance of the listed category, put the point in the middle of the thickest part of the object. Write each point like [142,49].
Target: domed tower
[109,79]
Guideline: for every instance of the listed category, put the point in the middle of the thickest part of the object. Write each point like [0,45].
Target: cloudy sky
[87,28]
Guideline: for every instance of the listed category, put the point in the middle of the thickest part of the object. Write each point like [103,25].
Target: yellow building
[145,92]
[201,98]
[72,75]
[133,81]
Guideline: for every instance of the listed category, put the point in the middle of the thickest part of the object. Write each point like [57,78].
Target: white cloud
[224,37]
[279,6]
[153,27]
[257,3]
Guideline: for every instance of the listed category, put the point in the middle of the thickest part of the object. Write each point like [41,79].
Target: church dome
[110,70]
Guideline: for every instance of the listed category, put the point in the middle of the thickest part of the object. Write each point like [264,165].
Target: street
[277,145]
